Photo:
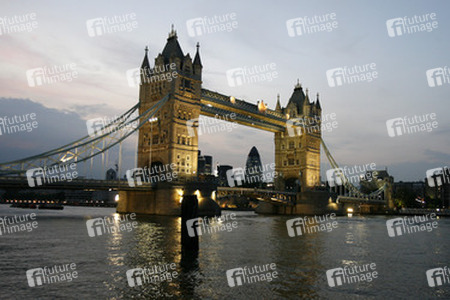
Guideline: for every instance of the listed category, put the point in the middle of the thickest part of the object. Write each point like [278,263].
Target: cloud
[54,128]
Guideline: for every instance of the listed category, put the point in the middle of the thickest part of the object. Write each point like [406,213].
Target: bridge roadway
[21,182]
[214,104]
[280,197]
[347,199]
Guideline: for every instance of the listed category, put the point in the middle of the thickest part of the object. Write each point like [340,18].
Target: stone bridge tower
[165,139]
[297,150]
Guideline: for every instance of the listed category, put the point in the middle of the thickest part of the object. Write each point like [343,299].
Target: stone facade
[297,153]
[165,139]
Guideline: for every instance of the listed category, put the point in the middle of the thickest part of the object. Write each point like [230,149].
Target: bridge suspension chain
[344,178]
[88,146]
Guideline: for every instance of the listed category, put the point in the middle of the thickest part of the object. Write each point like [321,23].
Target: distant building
[204,164]
[418,187]
[208,164]
[111,174]
[200,163]
[222,173]
[253,169]
[439,192]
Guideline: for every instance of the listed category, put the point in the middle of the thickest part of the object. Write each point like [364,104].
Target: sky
[59,33]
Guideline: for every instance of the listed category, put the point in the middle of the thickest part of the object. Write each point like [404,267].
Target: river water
[301,262]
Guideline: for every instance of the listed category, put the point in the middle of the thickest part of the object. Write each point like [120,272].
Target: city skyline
[101,88]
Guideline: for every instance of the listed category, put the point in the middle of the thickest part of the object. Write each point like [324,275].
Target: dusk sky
[261,36]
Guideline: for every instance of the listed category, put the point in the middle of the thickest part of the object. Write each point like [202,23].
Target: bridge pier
[151,202]
[166,200]
[307,203]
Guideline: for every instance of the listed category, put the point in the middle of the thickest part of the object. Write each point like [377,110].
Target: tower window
[187,84]
[291,145]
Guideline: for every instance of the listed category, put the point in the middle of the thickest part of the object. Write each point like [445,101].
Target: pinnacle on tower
[318,102]
[197,60]
[145,63]
[278,106]
[307,102]
[173,32]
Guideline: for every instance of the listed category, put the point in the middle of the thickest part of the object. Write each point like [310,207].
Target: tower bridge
[169,111]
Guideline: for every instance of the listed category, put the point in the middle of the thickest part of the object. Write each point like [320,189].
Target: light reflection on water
[302,261]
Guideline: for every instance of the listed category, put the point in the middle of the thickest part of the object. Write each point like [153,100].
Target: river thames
[301,262]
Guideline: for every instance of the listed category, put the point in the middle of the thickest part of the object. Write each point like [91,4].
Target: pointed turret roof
[278,106]
[172,47]
[298,97]
[197,60]
[318,102]
[145,63]
[306,102]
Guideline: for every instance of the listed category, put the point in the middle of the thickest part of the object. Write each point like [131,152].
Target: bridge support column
[166,200]
[152,202]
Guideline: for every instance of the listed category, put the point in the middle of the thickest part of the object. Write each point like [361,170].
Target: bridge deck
[213,103]
[347,199]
